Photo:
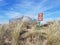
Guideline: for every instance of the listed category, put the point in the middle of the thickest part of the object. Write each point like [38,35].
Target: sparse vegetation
[25,33]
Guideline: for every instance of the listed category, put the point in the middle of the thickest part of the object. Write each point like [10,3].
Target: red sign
[40,17]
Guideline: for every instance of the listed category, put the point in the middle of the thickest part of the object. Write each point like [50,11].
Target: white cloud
[12,14]
[30,15]
[3,3]
[50,19]
[24,4]
[52,13]
[4,21]
[42,7]
[1,16]
[34,8]
[29,5]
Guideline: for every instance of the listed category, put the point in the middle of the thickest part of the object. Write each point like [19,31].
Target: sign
[40,17]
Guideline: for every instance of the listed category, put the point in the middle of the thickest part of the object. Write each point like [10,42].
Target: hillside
[23,31]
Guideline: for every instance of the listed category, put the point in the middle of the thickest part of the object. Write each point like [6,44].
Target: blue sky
[17,8]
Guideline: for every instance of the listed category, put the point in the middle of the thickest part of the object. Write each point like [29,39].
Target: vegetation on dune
[24,32]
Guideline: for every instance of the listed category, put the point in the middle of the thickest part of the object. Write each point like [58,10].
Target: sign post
[40,18]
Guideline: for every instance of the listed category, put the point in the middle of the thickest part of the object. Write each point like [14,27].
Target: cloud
[50,19]
[30,8]
[13,14]
[24,4]
[43,7]
[4,21]
[55,13]
[1,16]
[34,8]
[30,15]
[3,3]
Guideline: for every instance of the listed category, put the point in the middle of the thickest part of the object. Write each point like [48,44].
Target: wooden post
[39,25]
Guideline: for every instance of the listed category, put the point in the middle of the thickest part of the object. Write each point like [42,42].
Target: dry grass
[15,34]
